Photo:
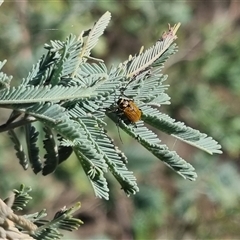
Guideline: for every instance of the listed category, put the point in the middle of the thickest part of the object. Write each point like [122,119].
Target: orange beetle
[129,109]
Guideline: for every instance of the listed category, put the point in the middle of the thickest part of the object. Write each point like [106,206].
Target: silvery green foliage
[33,226]
[71,95]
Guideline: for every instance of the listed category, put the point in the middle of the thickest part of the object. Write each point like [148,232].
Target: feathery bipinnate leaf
[51,156]
[178,129]
[151,56]
[70,96]
[92,39]
[62,220]
[55,153]
[22,198]
[32,226]
[19,149]
[4,79]
[113,157]
[33,150]
[31,94]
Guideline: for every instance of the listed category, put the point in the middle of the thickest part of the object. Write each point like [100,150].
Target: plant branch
[8,126]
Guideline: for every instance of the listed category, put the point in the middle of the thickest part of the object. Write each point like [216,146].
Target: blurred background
[205,94]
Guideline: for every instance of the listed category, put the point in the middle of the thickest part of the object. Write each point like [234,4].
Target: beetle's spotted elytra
[128,111]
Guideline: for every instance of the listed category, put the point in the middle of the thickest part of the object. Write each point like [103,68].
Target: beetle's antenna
[174,144]
[119,133]
[117,124]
